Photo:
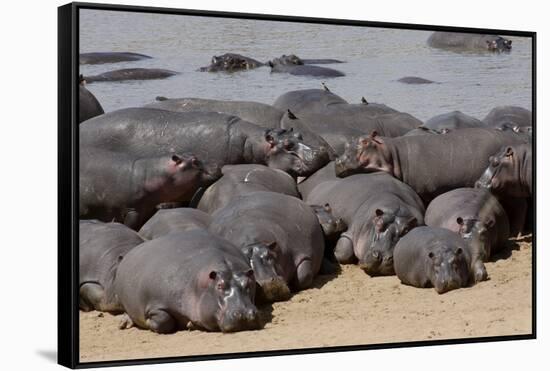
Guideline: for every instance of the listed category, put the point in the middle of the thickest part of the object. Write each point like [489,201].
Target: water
[376,58]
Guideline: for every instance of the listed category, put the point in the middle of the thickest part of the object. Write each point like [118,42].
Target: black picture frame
[68,141]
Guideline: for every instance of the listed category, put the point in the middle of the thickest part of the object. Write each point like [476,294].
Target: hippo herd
[194,211]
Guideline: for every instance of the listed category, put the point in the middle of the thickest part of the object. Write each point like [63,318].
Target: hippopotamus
[469,42]
[213,137]
[430,164]
[181,219]
[240,180]
[298,68]
[509,117]
[477,216]
[433,257]
[510,172]
[338,121]
[126,189]
[231,62]
[88,105]
[415,80]
[110,57]
[322,175]
[186,280]
[453,121]
[378,210]
[131,74]
[280,234]
[260,114]
[101,248]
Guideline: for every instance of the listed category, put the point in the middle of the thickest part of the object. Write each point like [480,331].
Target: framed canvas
[242,185]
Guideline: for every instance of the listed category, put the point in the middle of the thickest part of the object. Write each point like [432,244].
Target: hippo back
[167,221]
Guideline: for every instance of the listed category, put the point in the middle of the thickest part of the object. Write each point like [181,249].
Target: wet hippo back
[110,57]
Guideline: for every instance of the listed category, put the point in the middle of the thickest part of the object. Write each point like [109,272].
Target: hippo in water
[131,74]
[509,117]
[240,180]
[101,248]
[433,257]
[413,80]
[469,42]
[430,164]
[231,62]
[126,189]
[281,236]
[453,121]
[260,114]
[181,219]
[378,210]
[477,216]
[88,105]
[213,137]
[295,66]
[187,280]
[110,57]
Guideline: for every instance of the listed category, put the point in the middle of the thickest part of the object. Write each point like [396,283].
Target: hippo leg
[125,322]
[344,250]
[160,321]
[479,271]
[304,275]
[91,297]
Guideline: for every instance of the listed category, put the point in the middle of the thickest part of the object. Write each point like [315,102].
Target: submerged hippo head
[499,44]
[447,267]
[285,150]
[233,294]
[502,174]
[230,62]
[475,233]
[264,260]
[332,226]
[288,59]
[364,155]
[378,237]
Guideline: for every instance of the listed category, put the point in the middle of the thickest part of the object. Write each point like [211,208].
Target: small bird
[325,87]
[364,101]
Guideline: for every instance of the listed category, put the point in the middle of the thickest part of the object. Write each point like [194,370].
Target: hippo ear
[458,251]
[212,275]
[459,220]
[516,128]
[364,101]
[376,137]
[379,212]
[178,160]
[291,115]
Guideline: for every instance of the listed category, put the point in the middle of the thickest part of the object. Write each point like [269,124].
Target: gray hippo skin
[281,236]
[469,42]
[413,80]
[260,114]
[510,172]
[509,117]
[322,175]
[126,189]
[183,280]
[181,219]
[378,210]
[433,257]
[231,62]
[110,57]
[214,137]
[101,248]
[88,105]
[477,216]
[298,68]
[131,74]
[430,164]
[338,121]
[453,121]
[240,180]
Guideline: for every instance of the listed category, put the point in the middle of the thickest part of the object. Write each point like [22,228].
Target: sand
[350,308]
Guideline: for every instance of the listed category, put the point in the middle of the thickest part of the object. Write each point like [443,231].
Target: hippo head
[499,44]
[285,150]
[188,169]
[332,226]
[377,239]
[502,173]
[365,155]
[289,59]
[447,268]
[264,260]
[475,232]
[234,297]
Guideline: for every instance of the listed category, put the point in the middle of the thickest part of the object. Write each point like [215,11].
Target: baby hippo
[101,248]
[433,257]
[166,221]
[477,216]
[190,279]
[119,187]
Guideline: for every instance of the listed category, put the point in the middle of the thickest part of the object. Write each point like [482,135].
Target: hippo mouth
[446,287]
[375,269]
[272,290]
